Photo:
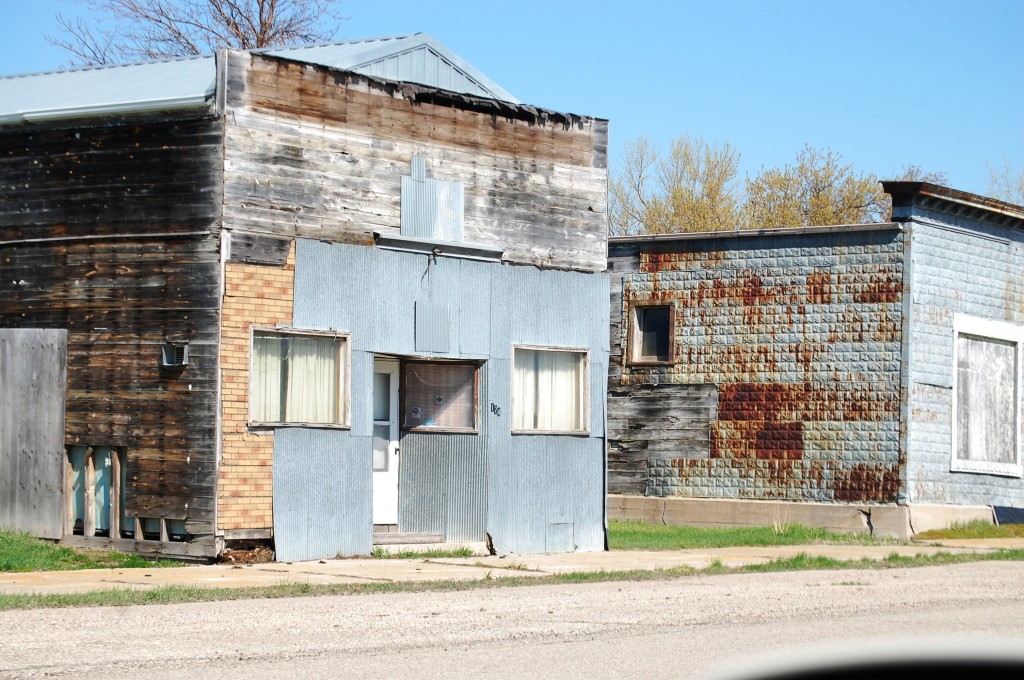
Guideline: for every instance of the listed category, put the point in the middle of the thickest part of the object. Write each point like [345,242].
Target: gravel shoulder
[506,630]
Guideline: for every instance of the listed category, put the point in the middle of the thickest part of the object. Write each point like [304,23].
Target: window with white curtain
[298,378]
[549,390]
[986,396]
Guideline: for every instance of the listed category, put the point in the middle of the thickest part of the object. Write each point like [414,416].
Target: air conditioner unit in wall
[175,354]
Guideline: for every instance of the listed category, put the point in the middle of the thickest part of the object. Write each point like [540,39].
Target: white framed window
[550,389]
[298,378]
[651,330]
[439,395]
[986,396]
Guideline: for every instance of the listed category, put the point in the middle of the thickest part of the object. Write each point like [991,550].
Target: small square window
[986,396]
[298,378]
[439,396]
[650,334]
[549,391]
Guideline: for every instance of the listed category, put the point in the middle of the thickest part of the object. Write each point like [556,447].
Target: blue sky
[936,83]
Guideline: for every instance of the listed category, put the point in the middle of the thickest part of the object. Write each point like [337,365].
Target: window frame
[344,384]
[633,337]
[585,389]
[1001,331]
[403,394]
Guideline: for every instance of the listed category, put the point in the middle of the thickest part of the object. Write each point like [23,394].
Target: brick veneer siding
[259,295]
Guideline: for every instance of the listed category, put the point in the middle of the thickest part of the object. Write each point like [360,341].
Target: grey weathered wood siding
[110,231]
[320,154]
[33,365]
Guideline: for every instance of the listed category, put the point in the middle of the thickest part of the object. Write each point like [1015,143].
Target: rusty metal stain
[867,482]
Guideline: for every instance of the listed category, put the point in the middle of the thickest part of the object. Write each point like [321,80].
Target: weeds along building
[304,295]
[860,377]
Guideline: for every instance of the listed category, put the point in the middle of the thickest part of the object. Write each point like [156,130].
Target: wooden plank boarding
[258,249]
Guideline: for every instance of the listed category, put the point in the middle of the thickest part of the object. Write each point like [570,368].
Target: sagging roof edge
[748,233]
[426,94]
[903,194]
[200,103]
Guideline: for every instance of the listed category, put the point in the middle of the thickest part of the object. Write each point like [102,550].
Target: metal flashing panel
[431,208]
[433,327]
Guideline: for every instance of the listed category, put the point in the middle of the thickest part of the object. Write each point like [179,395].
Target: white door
[385,441]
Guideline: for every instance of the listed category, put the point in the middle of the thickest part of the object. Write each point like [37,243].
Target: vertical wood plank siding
[110,231]
[320,154]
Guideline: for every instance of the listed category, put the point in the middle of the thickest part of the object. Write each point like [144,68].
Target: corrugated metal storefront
[531,493]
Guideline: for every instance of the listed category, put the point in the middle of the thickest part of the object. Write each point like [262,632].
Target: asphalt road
[722,626]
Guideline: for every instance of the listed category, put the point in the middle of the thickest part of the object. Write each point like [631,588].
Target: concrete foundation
[892,521]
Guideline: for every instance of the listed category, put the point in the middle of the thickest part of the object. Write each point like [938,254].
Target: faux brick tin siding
[960,265]
[801,334]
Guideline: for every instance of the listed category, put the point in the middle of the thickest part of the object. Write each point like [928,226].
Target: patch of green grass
[974,529]
[21,552]
[381,553]
[645,536]
[180,594]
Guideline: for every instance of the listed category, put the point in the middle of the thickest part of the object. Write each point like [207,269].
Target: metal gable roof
[190,82]
[414,58]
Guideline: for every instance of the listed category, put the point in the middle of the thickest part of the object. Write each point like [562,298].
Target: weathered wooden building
[302,293]
[874,366]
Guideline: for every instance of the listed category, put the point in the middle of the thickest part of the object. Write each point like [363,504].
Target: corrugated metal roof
[160,85]
[190,82]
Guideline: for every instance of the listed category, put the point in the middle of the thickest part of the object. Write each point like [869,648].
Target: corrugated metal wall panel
[442,486]
[538,482]
[547,307]
[321,494]
[371,293]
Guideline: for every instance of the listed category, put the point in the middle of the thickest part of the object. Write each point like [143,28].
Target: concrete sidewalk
[340,571]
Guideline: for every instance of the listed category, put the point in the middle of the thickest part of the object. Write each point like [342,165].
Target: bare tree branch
[133,30]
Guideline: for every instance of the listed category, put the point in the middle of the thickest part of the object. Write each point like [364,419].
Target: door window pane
[381,441]
[382,396]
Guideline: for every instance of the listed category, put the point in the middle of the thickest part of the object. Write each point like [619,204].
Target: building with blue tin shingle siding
[863,377]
